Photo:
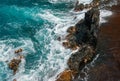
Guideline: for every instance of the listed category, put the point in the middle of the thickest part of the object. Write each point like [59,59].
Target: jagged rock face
[86,29]
[79,7]
[84,32]
[92,17]
[84,35]
[81,35]
[78,60]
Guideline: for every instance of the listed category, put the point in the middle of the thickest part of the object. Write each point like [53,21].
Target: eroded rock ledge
[82,36]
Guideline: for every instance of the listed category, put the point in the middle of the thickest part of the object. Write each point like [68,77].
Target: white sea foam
[60,1]
[57,57]
[104,14]
[85,1]
[80,1]
[50,17]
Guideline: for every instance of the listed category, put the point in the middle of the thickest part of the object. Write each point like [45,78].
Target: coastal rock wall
[82,36]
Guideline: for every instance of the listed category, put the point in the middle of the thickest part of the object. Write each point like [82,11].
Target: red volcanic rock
[66,75]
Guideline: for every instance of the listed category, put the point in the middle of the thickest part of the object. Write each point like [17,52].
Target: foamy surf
[60,1]
[104,14]
[85,1]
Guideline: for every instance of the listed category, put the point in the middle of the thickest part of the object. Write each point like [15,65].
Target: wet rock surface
[14,65]
[66,75]
[78,60]
[15,62]
[84,32]
[82,36]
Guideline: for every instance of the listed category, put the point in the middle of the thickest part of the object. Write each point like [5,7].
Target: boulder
[18,51]
[14,64]
[66,75]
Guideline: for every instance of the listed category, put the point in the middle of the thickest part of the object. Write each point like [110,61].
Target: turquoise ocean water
[34,26]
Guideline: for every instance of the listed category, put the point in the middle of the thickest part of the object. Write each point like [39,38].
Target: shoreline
[83,36]
[105,63]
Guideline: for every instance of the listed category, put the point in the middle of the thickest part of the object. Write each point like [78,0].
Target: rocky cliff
[82,36]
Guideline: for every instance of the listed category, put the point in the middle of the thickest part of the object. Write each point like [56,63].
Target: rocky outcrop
[18,51]
[79,7]
[14,63]
[66,75]
[84,32]
[78,60]
[82,36]
[93,4]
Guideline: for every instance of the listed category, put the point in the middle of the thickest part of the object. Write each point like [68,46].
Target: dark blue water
[31,25]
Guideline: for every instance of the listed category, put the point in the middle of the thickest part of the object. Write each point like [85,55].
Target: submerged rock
[14,64]
[18,51]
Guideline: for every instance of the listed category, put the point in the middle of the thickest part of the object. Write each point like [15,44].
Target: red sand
[112,31]
[108,66]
